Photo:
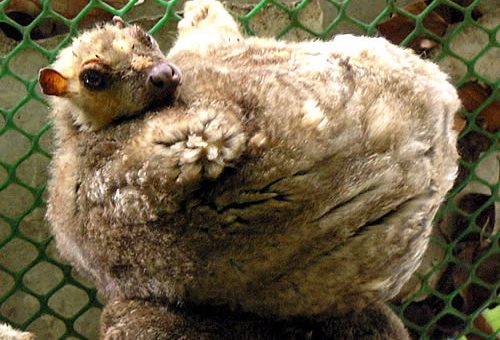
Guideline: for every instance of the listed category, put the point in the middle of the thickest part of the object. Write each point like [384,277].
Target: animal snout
[164,76]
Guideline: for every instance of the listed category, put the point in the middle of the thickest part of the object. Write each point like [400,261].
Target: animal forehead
[113,40]
[109,44]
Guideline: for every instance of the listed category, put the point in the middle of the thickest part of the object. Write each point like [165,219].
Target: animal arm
[167,161]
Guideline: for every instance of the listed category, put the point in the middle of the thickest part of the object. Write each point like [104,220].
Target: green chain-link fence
[455,292]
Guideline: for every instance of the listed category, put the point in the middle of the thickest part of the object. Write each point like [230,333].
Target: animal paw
[203,145]
[203,15]
[218,139]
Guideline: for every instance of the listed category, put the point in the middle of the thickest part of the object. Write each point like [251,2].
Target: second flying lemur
[285,180]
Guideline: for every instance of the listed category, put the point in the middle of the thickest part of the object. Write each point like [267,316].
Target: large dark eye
[95,80]
[148,40]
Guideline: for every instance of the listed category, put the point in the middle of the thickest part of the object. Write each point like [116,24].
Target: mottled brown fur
[290,181]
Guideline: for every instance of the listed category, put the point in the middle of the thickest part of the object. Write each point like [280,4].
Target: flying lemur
[283,190]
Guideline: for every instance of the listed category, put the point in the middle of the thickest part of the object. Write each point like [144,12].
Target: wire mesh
[42,293]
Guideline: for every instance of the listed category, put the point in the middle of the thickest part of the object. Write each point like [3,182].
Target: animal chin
[162,101]
[154,105]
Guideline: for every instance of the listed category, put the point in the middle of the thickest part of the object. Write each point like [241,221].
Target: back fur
[289,180]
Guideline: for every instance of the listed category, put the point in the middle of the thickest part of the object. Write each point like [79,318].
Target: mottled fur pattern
[290,180]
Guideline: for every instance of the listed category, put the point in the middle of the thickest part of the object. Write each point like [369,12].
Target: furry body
[290,180]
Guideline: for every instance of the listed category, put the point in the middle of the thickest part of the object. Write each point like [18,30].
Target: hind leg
[376,322]
[206,22]
[141,320]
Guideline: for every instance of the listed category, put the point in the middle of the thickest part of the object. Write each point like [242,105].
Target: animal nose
[164,76]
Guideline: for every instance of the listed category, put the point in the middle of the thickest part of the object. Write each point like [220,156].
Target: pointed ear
[118,22]
[52,82]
